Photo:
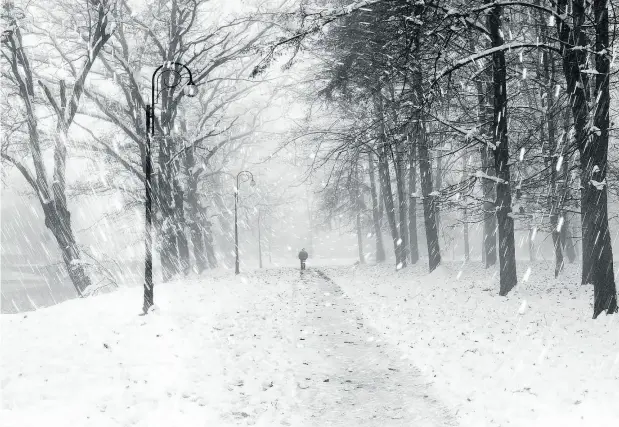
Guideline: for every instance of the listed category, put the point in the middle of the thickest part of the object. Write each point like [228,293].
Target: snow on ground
[210,354]
[267,348]
[533,358]
[256,349]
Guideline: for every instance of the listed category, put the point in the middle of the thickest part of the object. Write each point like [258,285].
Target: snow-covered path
[348,376]
[266,348]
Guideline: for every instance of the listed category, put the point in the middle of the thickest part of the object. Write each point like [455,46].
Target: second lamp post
[247,175]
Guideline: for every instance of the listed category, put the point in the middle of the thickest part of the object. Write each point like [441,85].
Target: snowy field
[269,348]
[533,358]
[210,350]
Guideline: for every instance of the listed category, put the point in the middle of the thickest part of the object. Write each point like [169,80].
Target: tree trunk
[259,243]
[429,201]
[380,249]
[484,114]
[507,249]
[531,243]
[594,163]
[194,219]
[597,260]
[400,171]
[567,243]
[360,239]
[385,182]
[310,228]
[489,209]
[147,168]
[425,172]
[359,206]
[552,156]
[181,236]
[168,251]
[206,230]
[58,217]
[576,244]
[439,183]
[465,215]
[412,207]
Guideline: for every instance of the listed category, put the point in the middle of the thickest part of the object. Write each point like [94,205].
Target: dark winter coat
[303,255]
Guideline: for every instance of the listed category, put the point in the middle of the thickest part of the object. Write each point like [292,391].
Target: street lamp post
[247,176]
[190,90]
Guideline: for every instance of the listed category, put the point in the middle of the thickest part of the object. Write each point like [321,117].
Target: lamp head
[191,89]
[252,183]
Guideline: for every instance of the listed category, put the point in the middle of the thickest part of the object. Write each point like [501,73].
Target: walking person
[303,257]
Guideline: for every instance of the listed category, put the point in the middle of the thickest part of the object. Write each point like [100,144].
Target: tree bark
[259,243]
[507,250]
[484,114]
[594,164]
[551,156]
[429,201]
[425,170]
[380,249]
[53,198]
[567,242]
[206,229]
[465,215]
[359,208]
[181,236]
[400,170]
[194,219]
[168,251]
[412,206]
[385,182]
[360,239]
[597,260]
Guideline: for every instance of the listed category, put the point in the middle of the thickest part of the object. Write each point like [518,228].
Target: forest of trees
[493,112]
[497,113]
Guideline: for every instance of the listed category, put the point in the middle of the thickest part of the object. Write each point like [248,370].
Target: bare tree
[96,20]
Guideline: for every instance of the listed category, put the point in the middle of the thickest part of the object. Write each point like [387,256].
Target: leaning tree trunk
[380,249]
[507,248]
[385,182]
[412,206]
[58,219]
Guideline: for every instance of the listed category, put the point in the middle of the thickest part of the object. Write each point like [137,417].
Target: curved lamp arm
[247,176]
[190,90]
